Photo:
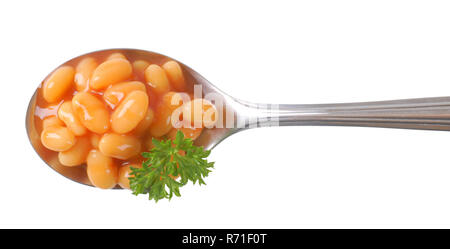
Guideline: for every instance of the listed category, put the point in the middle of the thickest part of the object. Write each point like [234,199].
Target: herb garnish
[164,161]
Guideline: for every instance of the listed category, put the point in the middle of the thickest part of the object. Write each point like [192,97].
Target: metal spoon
[238,115]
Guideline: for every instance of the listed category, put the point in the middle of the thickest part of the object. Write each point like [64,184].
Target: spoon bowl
[209,138]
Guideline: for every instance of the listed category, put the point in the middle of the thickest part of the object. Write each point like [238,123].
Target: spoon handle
[422,113]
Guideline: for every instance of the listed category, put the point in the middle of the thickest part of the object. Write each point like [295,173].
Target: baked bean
[84,71]
[200,113]
[130,112]
[191,132]
[57,138]
[115,93]
[116,56]
[51,121]
[161,122]
[66,114]
[77,154]
[119,146]
[145,123]
[188,132]
[175,99]
[91,112]
[101,170]
[95,140]
[124,173]
[140,65]
[175,75]
[110,72]
[157,79]
[58,83]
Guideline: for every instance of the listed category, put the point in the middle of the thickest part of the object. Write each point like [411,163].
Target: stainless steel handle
[421,113]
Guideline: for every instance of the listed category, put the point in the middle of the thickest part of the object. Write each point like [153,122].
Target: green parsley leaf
[164,161]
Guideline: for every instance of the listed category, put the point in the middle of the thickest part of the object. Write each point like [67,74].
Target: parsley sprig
[164,161]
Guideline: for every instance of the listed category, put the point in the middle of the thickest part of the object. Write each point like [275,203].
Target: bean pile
[102,111]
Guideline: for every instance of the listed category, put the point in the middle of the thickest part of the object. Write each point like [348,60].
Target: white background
[261,51]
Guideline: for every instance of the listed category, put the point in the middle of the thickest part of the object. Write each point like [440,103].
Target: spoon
[236,115]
